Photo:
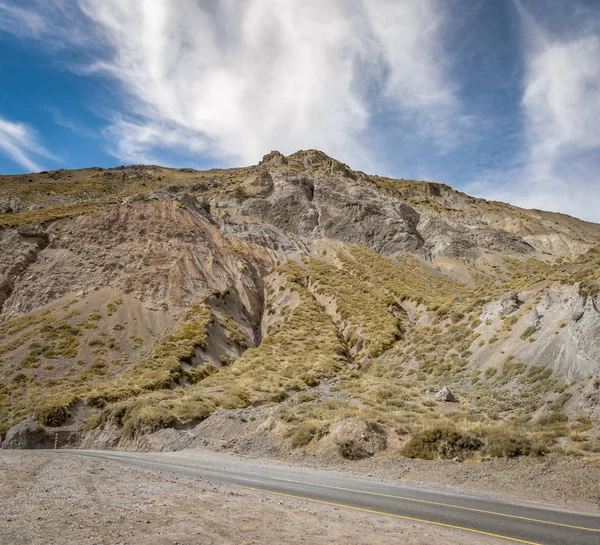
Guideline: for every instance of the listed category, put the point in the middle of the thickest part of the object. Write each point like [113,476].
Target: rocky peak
[273,158]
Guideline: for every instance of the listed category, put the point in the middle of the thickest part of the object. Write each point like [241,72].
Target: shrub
[440,442]
[93,422]
[508,444]
[309,379]
[456,317]
[552,419]
[490,372]
[528,332]
[20,378]
[351,449]
[304,434]
[51,414]
[143,417]
[591,446]
[197,409]
[305,397]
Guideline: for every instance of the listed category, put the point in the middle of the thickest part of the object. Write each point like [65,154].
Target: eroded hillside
[293,304]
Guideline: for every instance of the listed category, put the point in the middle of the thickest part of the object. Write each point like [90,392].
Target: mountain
[295,304]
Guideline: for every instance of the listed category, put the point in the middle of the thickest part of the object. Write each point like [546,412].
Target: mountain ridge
[140,300]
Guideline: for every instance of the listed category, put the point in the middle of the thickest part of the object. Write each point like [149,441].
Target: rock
[28,434]
[446,395]
[10,205]
[509,302]
[534,318]
[274,158]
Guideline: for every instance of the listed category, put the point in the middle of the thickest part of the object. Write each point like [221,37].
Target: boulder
[446,395]
[28,434]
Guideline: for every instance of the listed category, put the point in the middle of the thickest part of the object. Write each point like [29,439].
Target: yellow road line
[516,540]
[443,504]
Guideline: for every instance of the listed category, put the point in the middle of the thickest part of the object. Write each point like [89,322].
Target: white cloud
[409,35]
[19,142]
[560,166]
[236,79]
[562,100]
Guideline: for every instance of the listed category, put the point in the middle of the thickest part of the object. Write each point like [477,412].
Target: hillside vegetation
[330,310]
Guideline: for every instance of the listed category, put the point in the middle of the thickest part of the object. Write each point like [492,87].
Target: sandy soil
[62,500]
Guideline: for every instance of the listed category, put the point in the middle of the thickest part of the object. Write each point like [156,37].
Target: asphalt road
[477,514]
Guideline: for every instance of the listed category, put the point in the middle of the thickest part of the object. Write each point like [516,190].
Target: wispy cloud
[62,120]
[20,143]
[59,23]
[236,79]
[560,167]
[22,21]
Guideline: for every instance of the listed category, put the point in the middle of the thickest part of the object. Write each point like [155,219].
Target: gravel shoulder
[71,500]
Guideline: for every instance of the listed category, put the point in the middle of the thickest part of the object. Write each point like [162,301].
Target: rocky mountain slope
[293,304]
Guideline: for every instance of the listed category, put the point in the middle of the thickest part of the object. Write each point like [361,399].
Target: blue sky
[498,98]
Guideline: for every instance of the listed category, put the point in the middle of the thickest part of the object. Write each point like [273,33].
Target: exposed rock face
[19,249]
[561,332]
[156,251]
[338,208]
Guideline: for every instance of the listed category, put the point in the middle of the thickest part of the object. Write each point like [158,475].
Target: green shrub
[306,397]
[440,442]
[309,379]
[528,332]
[51,414]
[552,419]
[591,446]
[304,435]
[143,416]
[93,422]
[502,443]
[490,372]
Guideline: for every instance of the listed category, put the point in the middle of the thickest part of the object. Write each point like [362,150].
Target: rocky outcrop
[30,434]
[19,248]
[506,305]
[339,207]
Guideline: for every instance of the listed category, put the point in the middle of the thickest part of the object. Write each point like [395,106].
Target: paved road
[478,514]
